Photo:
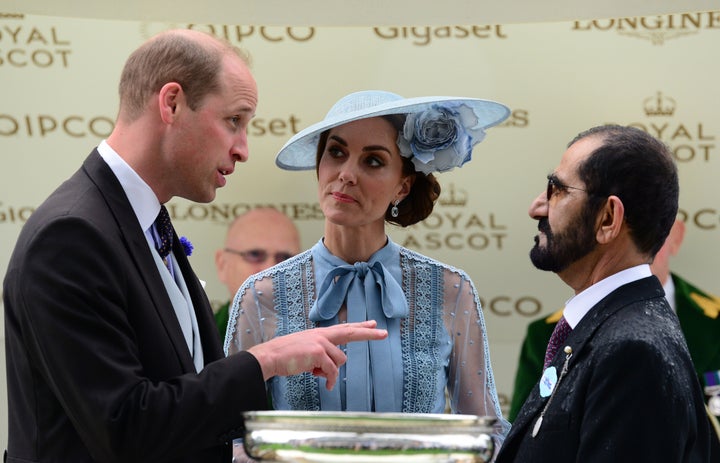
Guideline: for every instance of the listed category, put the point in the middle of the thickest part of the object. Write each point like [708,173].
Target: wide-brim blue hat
[300,151]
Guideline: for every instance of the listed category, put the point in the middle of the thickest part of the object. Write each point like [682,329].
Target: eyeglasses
[257,256]
[554,185]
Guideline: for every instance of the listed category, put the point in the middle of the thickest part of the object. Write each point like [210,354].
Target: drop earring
[394,211]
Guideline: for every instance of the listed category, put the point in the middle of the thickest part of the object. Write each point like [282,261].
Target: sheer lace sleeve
[252,318]
[471,384]
[271,303]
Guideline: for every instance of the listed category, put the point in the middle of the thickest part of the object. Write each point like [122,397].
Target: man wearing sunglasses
[618,382]
[698,312]
[256,240]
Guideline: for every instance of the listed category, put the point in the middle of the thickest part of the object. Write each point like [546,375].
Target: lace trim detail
[233,313]
[423,280]
[419,332]
[297,281]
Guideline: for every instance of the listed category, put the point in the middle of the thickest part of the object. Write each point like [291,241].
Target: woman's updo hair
[425,190]
[419,203]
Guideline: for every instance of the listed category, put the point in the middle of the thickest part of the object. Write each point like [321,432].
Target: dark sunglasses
[554,185]
[257,256]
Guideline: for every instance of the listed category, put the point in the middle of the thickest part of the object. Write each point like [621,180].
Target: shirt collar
[142,199]
[579,305]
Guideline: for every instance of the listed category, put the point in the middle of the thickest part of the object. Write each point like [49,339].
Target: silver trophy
[367,437]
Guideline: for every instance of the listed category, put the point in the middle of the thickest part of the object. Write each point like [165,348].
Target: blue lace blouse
[434,360]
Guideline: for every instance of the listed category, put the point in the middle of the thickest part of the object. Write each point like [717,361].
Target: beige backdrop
[58,99]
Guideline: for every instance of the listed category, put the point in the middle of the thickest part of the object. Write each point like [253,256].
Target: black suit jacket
[630,392]
[97,366]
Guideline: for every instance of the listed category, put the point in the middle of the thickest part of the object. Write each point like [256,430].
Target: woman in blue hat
[375,154]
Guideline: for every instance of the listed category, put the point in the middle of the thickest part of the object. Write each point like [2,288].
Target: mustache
[544,226]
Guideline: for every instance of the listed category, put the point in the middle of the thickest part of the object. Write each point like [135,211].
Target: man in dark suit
[112,351]
[698,312]
[618,383]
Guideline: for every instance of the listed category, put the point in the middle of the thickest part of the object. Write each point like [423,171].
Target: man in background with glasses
[256,240]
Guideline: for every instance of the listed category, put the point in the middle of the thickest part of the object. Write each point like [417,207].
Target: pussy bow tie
[372,294]
[362,284]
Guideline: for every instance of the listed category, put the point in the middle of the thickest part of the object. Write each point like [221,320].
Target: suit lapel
[577,340]
[529,412]
[137,246]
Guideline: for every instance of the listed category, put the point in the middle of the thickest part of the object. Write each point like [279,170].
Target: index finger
[359,331]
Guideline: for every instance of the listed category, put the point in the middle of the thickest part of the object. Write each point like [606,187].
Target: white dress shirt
[579,305]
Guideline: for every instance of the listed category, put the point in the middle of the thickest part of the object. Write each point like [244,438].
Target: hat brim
[299,152]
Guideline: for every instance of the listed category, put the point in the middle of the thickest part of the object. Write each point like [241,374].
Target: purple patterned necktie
[165,232]
[559,334]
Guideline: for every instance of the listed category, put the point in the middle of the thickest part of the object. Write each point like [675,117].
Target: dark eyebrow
[337,139]
[370,148]
[377,148]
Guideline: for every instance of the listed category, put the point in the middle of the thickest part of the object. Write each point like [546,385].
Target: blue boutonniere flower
[440,138]
[187,245]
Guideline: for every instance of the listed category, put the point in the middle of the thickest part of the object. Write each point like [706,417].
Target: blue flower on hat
[187,245]
[440,138]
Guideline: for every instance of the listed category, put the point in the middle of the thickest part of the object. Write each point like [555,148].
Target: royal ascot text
[22,46]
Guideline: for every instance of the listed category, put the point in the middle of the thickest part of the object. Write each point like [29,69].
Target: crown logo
[453,199]
[659,105]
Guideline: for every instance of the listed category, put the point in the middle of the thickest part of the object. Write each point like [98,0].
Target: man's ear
[168,98]
[676,236]
[610,220]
